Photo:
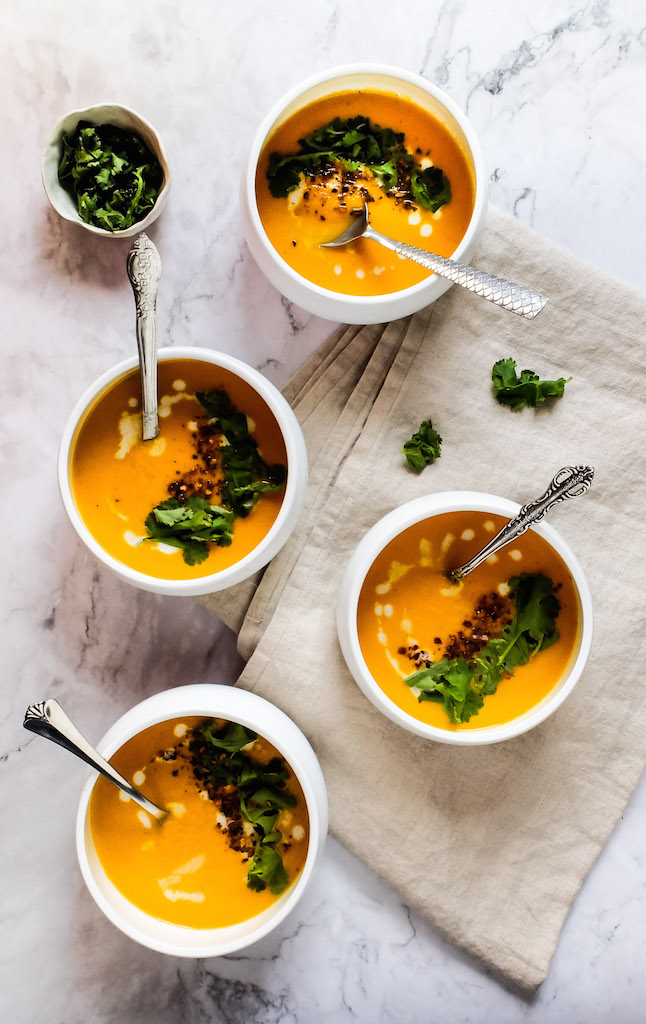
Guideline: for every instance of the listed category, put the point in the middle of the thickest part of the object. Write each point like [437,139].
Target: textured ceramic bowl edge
[356,309]
[267,720]
[102,113]
[271,543]
[364,555]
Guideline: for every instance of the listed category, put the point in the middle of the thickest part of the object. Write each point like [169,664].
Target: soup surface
[320,208]
[411,616]
[193,869]
[117,479]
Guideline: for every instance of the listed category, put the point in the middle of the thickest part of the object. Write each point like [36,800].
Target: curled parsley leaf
[460,685]
[111,175]
[528,389]
[423,448]
[356,143]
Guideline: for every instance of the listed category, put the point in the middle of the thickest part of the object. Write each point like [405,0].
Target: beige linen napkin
[492,843]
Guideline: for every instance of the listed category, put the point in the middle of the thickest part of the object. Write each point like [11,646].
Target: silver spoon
[569,482]
[514,297]
[48,719]
[143,264]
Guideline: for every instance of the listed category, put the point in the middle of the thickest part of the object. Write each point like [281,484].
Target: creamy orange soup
[117,479]
[319,210]
[186,870]
[409,613]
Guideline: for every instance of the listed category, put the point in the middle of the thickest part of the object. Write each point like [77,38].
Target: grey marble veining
[555,93]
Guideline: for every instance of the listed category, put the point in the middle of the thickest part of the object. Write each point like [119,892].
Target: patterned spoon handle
[514,297]
[569,482]
[144,270]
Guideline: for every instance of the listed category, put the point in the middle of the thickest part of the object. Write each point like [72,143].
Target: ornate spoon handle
[144,270]
[48,719]
[514,297]
[568,483]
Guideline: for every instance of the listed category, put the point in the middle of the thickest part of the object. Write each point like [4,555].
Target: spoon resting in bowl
[143,264]
[514,297]
[569,482]
[48,719]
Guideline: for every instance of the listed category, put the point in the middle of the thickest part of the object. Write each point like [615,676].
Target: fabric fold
[491,843]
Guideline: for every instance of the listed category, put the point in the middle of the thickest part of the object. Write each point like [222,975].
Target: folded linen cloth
[493,842]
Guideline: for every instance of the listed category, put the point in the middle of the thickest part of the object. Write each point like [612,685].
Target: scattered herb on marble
[111,175]
[357,144]
[423,448]
[528,389]
[460,685]
[244,789]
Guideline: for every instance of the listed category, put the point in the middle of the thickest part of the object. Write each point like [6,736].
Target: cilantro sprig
[219,760]
[246,474]
[460,685]
[423,448]
[356,143]
[194,524]
[111,175]
[190,525]
[526,389]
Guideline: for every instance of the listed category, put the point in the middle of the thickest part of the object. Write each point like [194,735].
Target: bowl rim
[248,709]
[480,201]
[54,190]
[364,555]
[293,498]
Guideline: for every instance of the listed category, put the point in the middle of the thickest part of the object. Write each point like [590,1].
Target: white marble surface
[555,91]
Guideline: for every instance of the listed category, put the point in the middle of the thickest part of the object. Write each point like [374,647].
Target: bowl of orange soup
[208,502]
[247,821]
[362,133]
[473,662]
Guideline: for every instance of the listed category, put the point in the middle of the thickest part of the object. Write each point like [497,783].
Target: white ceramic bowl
[360,309]
[102,113]
[290,509]
[363,557]
[268,721]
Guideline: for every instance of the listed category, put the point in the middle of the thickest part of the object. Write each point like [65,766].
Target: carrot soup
[367,146]
[199,497]
[475,653]
[235,839]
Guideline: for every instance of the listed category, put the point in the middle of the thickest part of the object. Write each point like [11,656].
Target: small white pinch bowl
[271,543]
[252,711]
[376,539]
[102,113]
[360,309]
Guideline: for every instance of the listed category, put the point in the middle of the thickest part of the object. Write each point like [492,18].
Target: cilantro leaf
[355,144]
[246,474]
[423,448]
[267,869]
[528,389]
[189,526]
[110,173]
[460,685]
[232,737]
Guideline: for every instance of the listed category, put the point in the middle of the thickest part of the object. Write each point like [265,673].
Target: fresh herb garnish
[357,144]
[193,523]
[423,448]
[219,761]
[528,389]
[461,685]
[246,474]
[111,175]
[189,526]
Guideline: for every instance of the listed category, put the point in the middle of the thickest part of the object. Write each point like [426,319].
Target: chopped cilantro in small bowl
[105,169]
